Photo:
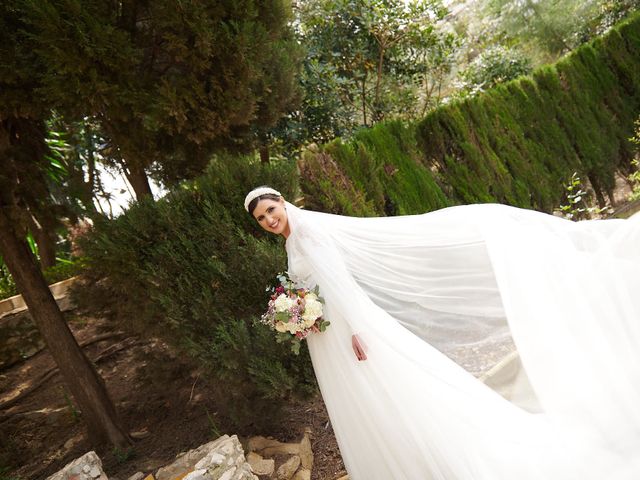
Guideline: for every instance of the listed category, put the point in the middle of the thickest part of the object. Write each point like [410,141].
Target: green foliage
[553,27]
[496,64]
[123,455]
[578,206]
[73,411]
[518,142]
[612,12]
[401,179]
[378,172]
[634,176]
[192,268]
[7,285]
[634,180]
[62,270]
[213,428]
[327,188]
[4,474]
[169,82]
[372,59]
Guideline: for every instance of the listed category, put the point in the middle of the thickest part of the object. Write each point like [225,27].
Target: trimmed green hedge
[382,165]
[519,142]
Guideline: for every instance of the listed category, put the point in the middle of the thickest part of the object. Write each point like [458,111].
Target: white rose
[312,310]
[293,327]
[281,327]
[283,303]
[307,322]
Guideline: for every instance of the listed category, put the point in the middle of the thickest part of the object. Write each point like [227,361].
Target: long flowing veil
[441,301]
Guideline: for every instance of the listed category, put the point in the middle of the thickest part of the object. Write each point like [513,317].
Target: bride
[424,307]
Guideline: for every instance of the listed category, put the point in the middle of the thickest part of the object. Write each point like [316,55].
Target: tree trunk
[43,231]
[85,384]
[138,179]
[364,101]
[376,116]
[264,154]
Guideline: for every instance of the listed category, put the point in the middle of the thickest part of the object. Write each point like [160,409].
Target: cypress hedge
[383,170]
[519,142]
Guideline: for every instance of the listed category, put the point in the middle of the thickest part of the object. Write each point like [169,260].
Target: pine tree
[23,194]
[169,82]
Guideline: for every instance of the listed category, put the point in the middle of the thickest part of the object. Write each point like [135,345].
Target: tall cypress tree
[169,82]
[24,192]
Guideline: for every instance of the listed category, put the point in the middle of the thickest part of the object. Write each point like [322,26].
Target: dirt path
[161,397]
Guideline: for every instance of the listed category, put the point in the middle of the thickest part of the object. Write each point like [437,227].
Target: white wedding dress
[463,287]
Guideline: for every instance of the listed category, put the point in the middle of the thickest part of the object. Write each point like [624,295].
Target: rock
[228,475]
[288,468]
[306,454]
[87,467]
[211,459]
[281,449]
[221,459]
[260,443]
[139,435]
[302,474]
[201,474]
[259,465]
[136,476]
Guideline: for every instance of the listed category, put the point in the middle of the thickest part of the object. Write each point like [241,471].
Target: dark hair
[267,196]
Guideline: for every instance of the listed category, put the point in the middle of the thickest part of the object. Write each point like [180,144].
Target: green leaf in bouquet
[282,337]
[323,325]
[282,317]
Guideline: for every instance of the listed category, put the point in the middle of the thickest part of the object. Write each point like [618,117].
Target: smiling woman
[268,207]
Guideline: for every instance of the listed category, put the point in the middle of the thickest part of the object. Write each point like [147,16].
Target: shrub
[192,269]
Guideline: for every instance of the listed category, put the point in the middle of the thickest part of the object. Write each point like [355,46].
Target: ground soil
[159,396]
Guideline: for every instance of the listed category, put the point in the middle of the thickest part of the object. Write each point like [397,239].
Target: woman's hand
[358,347]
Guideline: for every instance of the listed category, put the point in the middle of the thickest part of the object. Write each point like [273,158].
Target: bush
[494,65]
[192,269]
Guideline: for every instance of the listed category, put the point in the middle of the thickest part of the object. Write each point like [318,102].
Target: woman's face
[272,216]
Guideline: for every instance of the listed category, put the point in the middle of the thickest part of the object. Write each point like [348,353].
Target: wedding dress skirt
[467,287]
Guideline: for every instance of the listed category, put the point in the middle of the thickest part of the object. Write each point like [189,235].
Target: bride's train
[544,314]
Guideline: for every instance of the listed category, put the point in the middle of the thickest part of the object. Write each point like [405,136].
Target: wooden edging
[16,302]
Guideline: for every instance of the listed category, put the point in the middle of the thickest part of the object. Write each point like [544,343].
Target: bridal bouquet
[294,312]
